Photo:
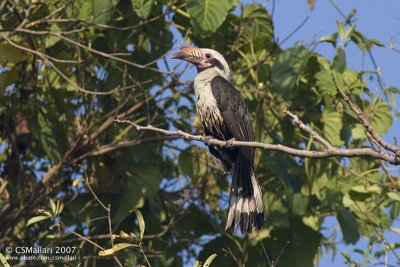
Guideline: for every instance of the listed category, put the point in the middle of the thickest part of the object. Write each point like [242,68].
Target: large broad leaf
[143,184]
[332,126]
[381,117]
[10,54]
[257,27]
[288,67]
[207,15]
[339,61]
[297,203]
[7,78]
[348,225]
[325,83]
[142,7]
[99,10]
[294,247]
[346,81]
[379,114]
[192,162]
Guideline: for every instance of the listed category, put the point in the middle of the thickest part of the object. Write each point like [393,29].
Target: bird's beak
[190,54]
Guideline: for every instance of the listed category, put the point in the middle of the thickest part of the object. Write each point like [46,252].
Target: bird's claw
[207,138]
[229,143]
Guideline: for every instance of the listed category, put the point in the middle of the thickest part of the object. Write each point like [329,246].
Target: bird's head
[204,58]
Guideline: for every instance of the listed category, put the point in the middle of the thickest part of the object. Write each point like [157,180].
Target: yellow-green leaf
[209,260]
[37,219]
[76,182]
[142,224]
[332,126]
[53,206]
[3,261]
[394,196]
[115,248]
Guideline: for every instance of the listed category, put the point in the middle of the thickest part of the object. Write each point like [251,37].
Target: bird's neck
[210,73]
[202,81]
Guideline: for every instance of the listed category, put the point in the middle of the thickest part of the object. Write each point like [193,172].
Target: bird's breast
[207,110]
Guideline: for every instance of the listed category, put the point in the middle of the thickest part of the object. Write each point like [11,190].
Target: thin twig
[367,126]
[81,236]
[307,129]
[108,209]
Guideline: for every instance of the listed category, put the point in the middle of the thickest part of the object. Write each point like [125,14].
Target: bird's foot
[207,138]
[229,143]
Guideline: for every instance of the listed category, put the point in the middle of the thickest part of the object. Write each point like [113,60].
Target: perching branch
[332,152]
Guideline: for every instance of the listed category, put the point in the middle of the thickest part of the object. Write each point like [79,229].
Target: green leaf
[209,260]
[142,7]
[257,26]
[191,165]
[115,248]
[333,124]
[3,261]
[206,15]
[106,253]
[332,39]
[382,116]
[37,219]
[51,40]
[121,246]
[312,222]
[379,114]
[396,230]
[348,224]
[359,39]
[143,184]
[375,42]
[48,140]
[197,264]
[53,206]
[341,30]
[99,10]
[295,247]
[369,189]
[347,257]
[287,69]
[347,201]
[10,54]
[339,61]
[299,204]
[353,81]
[7,78]
[394,195]
[391,92]
[142,224]
[325,83]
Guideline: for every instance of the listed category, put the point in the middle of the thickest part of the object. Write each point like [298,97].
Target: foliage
[68,68]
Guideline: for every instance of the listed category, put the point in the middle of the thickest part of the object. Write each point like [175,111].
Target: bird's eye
[208,55]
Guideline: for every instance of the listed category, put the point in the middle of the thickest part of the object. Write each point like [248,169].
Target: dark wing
[234,112]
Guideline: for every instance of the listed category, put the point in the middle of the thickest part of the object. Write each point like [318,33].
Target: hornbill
[225,116]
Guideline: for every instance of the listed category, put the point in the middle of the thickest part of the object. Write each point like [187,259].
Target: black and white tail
[246,205]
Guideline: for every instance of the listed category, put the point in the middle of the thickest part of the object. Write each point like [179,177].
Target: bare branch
[307,129]
[367,126]
[329,153]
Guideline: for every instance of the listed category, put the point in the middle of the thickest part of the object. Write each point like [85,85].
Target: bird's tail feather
[246,206]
